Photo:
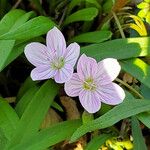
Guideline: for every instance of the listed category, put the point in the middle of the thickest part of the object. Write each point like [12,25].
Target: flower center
[89,84]
[58,63]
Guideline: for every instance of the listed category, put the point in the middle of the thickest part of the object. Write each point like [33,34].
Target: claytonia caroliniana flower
[93,83]
[54,60]
[145,10]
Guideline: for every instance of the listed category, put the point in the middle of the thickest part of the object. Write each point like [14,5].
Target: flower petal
[89,101]
[111,94]
[72,53]
[64,74]
[108,70]
[86,67]
[56,42]
[36,53]
[42,73]
[73,86]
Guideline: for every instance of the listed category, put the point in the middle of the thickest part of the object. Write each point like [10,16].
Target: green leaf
[94,2]
[50,136]
[144,118]
[35,112]
[97,142]
[119,49]
[9,20]
[92,37]
[145,91]
[37,26]
[57,106]
[8,119]
[25,100]
[138,68]
[72,4]
[21,20]
[138,140]
[86,14]
[21,32]
[28,83]
[6,47]
[124,110]
[3,140]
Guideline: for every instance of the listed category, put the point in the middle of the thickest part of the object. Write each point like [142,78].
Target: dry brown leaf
[70,107]
[51,118]
[127,78]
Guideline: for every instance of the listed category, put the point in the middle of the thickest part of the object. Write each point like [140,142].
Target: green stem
[119,25]
[129,87]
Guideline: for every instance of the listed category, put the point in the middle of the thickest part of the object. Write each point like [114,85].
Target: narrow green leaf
[119,49]
[9,20]
[97,142]
[138,140]
[3,140]
[144,118]
[6,47]
[8,119]
[35,112]
[72,4]
[92,37]
[86,14]
[21,20]
[124,110]
[138,68]
[50,136]
[11,54]
[28,83]
[25,100]
[37,26]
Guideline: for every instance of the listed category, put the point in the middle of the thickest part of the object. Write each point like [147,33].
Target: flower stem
[119,25]
[129,87]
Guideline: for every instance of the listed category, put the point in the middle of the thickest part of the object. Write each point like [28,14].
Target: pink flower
[93,83]
[54,60]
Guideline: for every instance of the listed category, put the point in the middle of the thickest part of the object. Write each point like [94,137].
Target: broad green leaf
[37,26]
[144,118]
[138,139]
[9,20]
[34,113]
[124,110]
[138,68]
[25,100]
[97,142]
[50,136]
[119,49]
[92,37]
[86,14]
[6,47]
[8,119]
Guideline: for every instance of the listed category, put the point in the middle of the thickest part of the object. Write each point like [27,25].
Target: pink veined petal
[42,72]
[72,53]
[89,101]
[73,86]
[64,74]
[36,54]
[108,70]
[56,42]
[86,67]
[111,94]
